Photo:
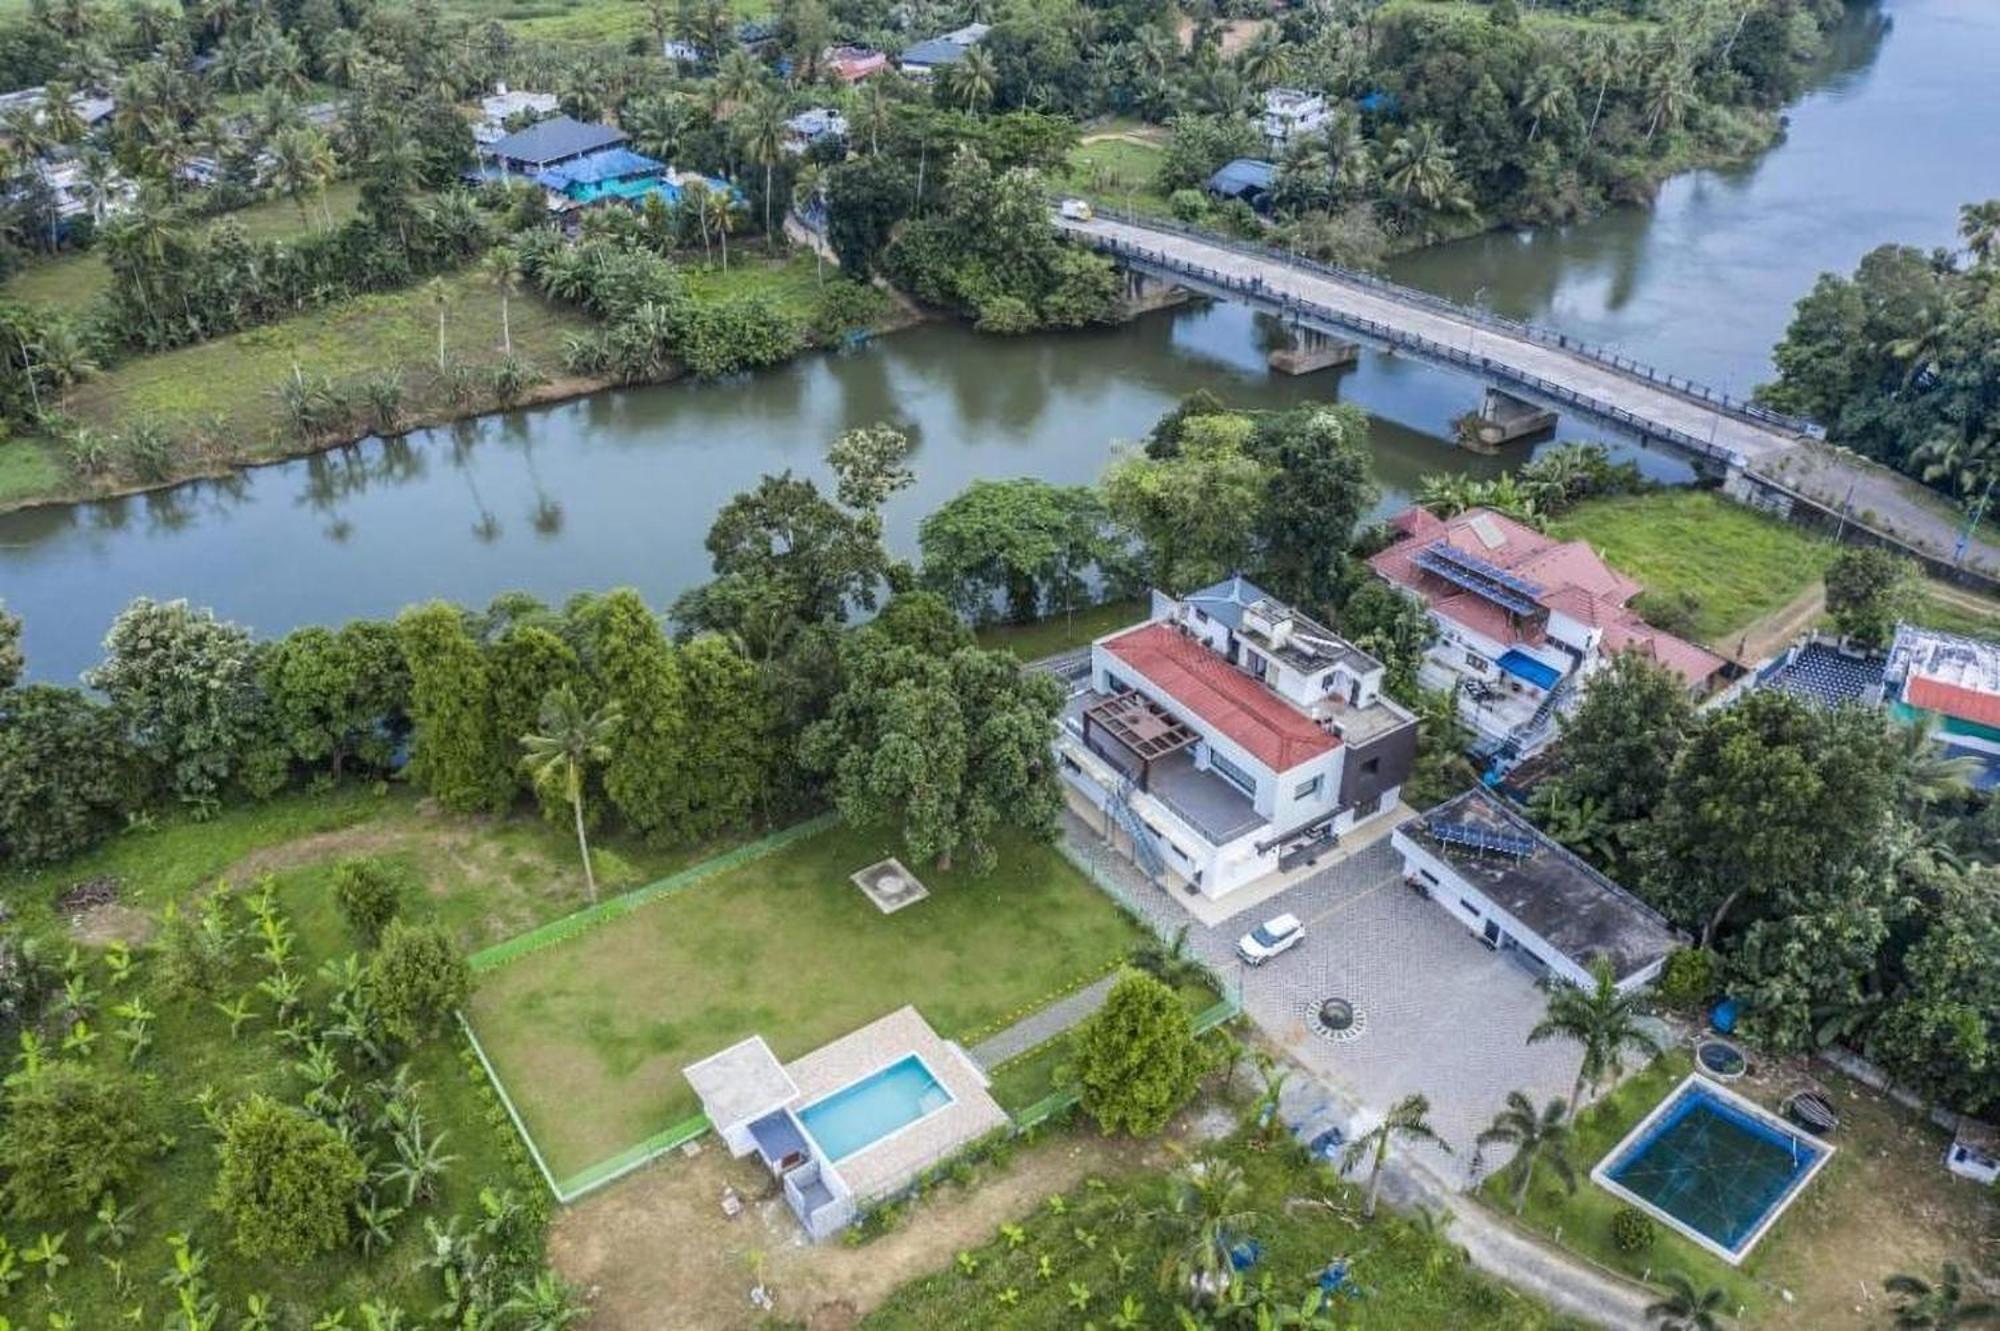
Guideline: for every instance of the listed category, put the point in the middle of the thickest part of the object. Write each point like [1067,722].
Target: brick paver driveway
[1439,1013]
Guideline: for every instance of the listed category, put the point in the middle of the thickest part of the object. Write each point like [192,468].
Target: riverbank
[206,410]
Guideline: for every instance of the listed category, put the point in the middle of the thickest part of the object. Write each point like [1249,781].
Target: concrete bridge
[1537,362]
[1765,459]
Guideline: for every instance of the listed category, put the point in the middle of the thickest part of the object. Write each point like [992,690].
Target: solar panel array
[1476,575]
[1822,675]
[1474,837]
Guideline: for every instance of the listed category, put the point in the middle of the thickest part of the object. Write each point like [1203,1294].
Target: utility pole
[1972,523]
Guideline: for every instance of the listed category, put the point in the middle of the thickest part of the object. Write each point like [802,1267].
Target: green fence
[569,926]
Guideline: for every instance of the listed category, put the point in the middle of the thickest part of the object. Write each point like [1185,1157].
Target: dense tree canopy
[1023,547]
[287,1182]
[1136,1061]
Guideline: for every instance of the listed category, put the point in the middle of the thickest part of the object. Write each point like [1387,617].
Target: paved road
[1043,1025]
[1569,369]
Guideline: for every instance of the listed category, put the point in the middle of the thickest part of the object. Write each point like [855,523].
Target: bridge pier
[1144,293]
[1501,419]
[1312,350]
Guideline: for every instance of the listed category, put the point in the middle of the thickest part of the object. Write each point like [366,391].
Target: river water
[619,488]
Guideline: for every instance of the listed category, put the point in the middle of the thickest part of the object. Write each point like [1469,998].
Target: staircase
[1143,848]
[1537,726]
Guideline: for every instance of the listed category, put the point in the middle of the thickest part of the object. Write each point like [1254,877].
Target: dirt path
[1964,600]
[1769,635]
[657,1254]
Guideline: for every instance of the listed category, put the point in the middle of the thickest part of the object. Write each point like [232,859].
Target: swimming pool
[862,1113]
[1713,1166]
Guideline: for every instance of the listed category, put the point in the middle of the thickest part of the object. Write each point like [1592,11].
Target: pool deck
[887,1165]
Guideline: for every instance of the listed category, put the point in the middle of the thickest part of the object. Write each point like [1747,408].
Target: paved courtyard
[1438,1013]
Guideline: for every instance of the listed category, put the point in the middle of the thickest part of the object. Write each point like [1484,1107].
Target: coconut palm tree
[972,78]
[60,118]
[1686,1308]
[1538,1137]
[1207,1214]
[760,127]
[1408,1120]
[738,76]
[1266,60]
[719,207]
[1979,225]
[873,108]
[302,164]
[1941,1306]
[1421,171]
[559,757]
[1547,94]
[502,267]
[1599,1019]
[1925,770]
[657,125]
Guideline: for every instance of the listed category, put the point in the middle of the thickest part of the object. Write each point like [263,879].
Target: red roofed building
[1230,737]
[1522,619]
[1956,678]
[852,64]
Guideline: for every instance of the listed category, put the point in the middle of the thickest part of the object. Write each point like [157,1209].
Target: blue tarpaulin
[1517,662]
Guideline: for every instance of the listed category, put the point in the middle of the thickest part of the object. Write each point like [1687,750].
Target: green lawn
[1951,610]
[1059,633]
[1118,172]
[1739,564]
[1091,1257]
[1583,1218]
[590,1035]
[73,280]
[618,21]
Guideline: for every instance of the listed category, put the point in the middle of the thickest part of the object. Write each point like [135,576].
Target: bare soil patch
[657,1254]
[100,926]
[1236,33]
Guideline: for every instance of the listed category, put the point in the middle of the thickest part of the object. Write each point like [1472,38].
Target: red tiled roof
[1210,690]
[1480,615]
[1631,634]
[1934,695]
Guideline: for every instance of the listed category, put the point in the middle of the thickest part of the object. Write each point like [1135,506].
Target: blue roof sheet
[1245,173]
[611,164]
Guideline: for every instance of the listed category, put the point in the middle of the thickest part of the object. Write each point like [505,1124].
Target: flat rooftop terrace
[1572,906]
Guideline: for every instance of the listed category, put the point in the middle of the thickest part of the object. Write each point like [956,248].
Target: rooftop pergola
[1142,725]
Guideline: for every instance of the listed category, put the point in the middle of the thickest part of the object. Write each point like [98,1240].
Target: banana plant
[112,1225]
[238,1012]
[118,962]
[46,1253]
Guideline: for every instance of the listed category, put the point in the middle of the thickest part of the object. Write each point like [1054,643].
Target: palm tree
[1686,1308]
[1421,170]
[1939,1307]
[1925,769]
[502,267]
[872,111]
[559,757]
[972,78]
[657,125]
[1979,224]
[1602,1020]
[302,164]
[809,198]
[1538,1137]
[1266,60]
[1408,1120]
[1206,1217]
[60,117]
[761,128]
[1547,94]
[1669,90]
[719,208]
[738,76]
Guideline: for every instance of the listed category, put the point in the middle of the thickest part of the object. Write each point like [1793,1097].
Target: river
[619,488]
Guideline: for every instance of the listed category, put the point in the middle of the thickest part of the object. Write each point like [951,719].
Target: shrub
[418,979]
[1632,1231]
[1688,980]
[369,893]
[1679,613]
[287,1182]
[73,1132]
[1137,1061]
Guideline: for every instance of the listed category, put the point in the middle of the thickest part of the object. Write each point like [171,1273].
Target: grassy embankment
[483,878]
[1060,633]
[1745,570]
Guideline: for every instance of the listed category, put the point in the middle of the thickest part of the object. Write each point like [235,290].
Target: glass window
[1307,789]
[1231,773]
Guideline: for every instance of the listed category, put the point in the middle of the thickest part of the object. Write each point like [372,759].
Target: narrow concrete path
[1039,1027]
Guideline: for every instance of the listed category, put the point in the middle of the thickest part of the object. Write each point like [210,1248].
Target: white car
[1268,939]
[1077,210]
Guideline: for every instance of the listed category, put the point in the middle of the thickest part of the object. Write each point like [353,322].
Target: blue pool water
[1714,1167]
[859,1115]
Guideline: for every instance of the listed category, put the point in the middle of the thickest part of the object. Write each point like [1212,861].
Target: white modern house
[1230,737]
[503,107]
[1523,620]
[1292,113]
[1523,894]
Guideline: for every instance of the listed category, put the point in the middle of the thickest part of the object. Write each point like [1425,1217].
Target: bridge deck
[1755,442]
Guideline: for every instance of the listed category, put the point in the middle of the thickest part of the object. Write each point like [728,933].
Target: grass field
[1738,564]
[484,878]
[590,1035]
[1058,633]
[73,281]
[618,21]
[1121,172]
[1092,1257]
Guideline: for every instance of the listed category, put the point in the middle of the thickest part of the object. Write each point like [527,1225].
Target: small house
[1292,113]
[548,143]
[852,64]
[1247,179]
[805,129]
[503,107]
[1974,1152]
[926,58]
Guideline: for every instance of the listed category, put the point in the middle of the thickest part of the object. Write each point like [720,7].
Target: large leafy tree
[1136,1060]
[333,695]
[184,682]
[638,671]
[1317,490]
[67,774]
[12,662]
[1865,590]
[948,747]
[287,1182]
[1023,543]
[1394,628]
[733,744]
[1194,513]
[1619,745]
[460,756]
[417,979]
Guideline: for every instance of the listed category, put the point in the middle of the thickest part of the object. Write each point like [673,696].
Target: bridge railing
[1290,306]
[1550,337]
